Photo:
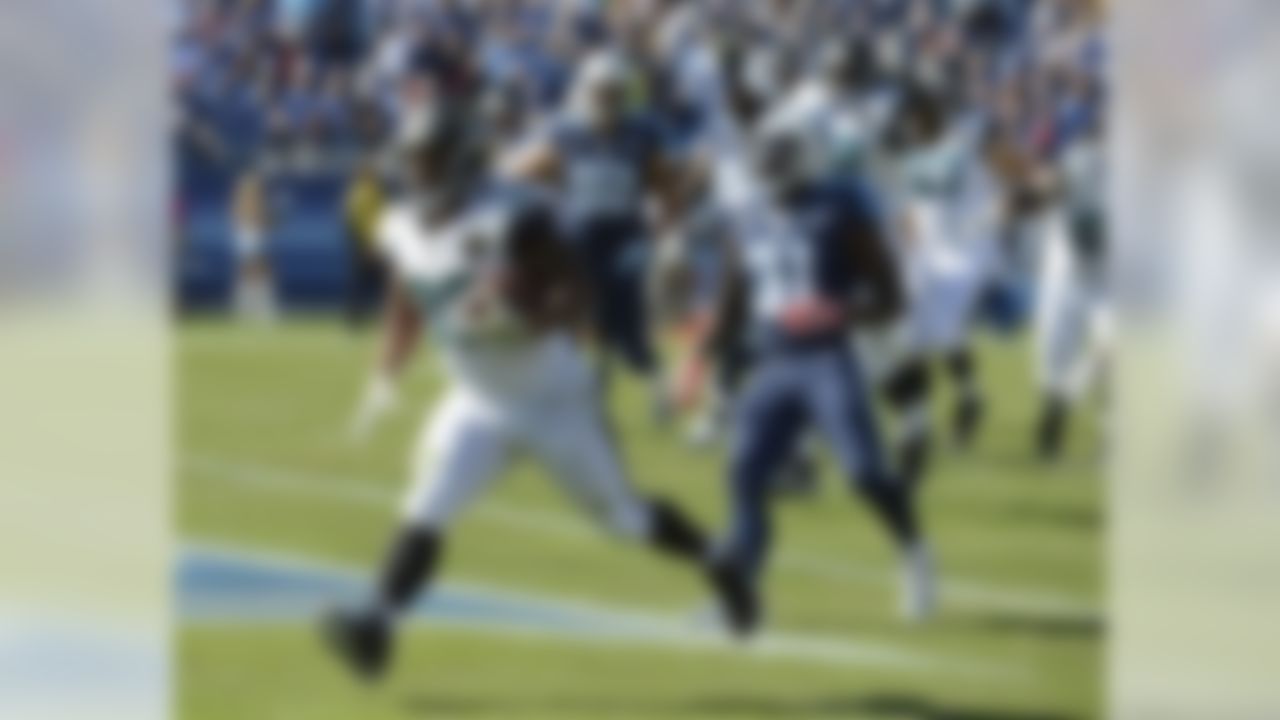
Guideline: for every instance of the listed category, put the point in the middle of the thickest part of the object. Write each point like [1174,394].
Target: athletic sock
[894,505]
[968,411]
[672,532]
[410,564]
[907,390]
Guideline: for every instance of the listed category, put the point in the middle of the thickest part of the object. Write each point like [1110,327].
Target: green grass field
[265,465]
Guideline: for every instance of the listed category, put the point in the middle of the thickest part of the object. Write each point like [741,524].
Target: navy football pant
[786,395]
[617,267]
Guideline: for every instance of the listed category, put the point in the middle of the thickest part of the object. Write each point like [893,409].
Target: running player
[482,265]
[811,263]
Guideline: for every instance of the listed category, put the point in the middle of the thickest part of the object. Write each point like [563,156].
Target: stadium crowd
[315,84]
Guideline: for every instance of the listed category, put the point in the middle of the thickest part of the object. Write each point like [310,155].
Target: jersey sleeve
[389,236]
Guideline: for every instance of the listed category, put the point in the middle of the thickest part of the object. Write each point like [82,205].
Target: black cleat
[738,598]
[361,641]
[967,420]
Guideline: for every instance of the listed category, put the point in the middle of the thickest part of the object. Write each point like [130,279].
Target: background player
[1071,317]
[607,162]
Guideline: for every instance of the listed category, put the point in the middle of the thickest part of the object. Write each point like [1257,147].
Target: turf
[1019,546]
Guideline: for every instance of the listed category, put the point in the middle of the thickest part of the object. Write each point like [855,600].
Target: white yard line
[625,625]
[958,591]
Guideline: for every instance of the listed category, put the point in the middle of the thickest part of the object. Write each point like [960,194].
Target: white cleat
[703,432]
[661,405]
[919,593]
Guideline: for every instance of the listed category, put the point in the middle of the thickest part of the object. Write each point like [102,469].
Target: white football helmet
[600,89]
[787,151]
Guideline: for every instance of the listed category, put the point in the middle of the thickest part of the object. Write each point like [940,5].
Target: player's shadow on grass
[909,707]
[1038,515]
[1025,466]
[1066,627]
[1068,518]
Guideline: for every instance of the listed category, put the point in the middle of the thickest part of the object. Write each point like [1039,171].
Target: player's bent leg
[908,390]
[841,406]
[362,637]
[967,415]
[462,449]
[1062,340]
[580,451]
[769,423]
[633,332]
[632,328]
[894,505]
[765,438]
[576,445]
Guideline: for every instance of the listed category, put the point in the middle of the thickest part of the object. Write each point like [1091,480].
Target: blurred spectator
[307,88]
[254,292]
[361,210]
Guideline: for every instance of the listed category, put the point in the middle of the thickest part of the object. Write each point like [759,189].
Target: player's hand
[812,316]
[380,398]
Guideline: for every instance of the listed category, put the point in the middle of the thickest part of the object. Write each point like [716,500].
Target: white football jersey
[851,128]
[451,272]
[952,198]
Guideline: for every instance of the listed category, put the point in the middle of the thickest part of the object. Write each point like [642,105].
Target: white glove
[380,398]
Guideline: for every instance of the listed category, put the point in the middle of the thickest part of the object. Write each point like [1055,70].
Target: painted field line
[595,622]
[957,591]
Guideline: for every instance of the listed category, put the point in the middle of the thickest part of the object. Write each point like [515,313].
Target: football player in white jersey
[951,206]
[483,267]
[1072,322]
[848,105]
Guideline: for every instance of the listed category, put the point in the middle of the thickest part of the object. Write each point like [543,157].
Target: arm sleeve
[386,236]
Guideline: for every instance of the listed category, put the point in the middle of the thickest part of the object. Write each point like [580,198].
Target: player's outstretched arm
[402,329]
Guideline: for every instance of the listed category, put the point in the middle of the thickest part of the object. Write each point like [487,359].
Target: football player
[948,201]
[810,264]
[608,162]
[851,110]
[483,268]
[1071,314]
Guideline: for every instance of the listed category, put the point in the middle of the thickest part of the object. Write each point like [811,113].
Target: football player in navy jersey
[608,162]
[810,263]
